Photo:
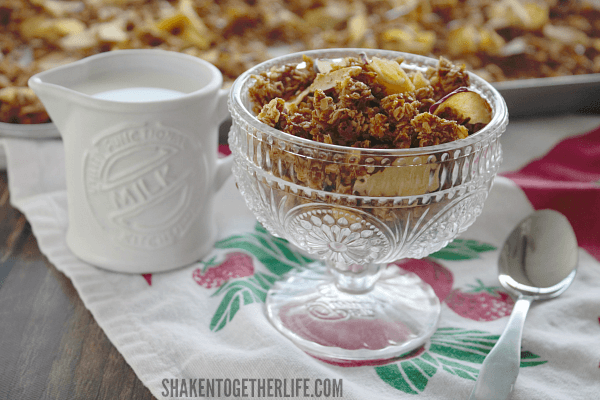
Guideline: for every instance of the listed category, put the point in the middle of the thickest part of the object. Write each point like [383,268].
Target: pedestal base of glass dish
[354,319]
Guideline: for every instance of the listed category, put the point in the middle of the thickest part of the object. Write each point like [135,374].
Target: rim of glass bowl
[499,109]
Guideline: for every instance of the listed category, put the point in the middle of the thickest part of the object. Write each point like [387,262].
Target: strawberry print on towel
[235,265]
[480,303]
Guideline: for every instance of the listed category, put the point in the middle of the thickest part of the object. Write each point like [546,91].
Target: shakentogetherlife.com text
[252,388]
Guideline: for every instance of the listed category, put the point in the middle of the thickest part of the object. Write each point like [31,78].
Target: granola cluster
[498,40]
[361,103]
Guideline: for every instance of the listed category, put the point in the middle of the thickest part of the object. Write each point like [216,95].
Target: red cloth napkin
[224,150]
[567,179]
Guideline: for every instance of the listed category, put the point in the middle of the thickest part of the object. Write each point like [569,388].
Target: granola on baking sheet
[496,39]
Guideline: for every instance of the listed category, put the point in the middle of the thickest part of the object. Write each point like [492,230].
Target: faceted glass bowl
[349,307]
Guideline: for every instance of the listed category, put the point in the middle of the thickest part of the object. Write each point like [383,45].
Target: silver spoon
[538,262]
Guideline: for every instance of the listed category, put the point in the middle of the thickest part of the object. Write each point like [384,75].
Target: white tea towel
[190,330]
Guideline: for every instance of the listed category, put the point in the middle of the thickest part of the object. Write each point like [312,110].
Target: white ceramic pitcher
[140,136]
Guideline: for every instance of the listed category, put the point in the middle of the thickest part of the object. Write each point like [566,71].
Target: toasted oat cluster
[369,103]
[498,40]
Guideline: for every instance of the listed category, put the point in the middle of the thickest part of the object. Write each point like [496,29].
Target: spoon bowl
[537,262]
[539,258]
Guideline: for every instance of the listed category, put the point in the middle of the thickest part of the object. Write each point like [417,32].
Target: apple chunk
[391,75]
[464,106]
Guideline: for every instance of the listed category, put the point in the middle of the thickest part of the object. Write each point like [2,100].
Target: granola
[361,103]
[498,40]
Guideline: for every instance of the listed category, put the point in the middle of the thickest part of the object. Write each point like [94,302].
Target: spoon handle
[500,368]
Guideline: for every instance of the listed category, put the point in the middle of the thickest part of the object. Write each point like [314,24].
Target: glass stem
[354,278]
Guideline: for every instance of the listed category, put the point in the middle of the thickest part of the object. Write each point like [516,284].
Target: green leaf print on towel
[456,351]
[236,278]
[462,249]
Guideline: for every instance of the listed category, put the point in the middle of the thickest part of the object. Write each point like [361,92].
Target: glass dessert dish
[350,307]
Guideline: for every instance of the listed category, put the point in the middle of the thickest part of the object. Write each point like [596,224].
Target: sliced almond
[325,82]
[419,80]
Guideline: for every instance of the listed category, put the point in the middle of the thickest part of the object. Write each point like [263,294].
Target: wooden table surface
[50,345]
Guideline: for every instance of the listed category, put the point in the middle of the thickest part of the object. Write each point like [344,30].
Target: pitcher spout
[58,100]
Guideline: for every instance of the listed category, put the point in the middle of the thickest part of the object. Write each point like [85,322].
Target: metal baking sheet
[549,96]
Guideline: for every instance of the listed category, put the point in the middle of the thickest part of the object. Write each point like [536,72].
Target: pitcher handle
[222,111]
[223,164]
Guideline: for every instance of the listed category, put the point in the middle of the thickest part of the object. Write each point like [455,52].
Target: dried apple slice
[399,180]
[391,75]
[463,105]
